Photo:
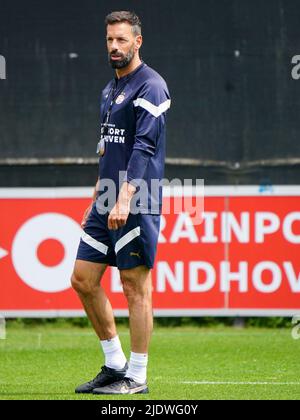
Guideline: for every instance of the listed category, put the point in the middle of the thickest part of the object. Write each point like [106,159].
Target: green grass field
[185,363]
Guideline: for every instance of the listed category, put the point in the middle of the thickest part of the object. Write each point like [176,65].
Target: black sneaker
[106,377]
[124,386]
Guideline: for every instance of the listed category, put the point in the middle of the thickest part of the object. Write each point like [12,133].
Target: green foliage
[276,322]
[83,322]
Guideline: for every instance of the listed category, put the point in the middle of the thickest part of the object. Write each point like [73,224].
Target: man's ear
[138,42]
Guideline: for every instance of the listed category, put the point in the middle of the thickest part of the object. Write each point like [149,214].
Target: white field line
[239,383]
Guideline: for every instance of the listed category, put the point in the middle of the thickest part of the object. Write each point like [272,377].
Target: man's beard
[125,59]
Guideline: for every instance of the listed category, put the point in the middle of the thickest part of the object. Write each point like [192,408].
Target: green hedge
[276,322]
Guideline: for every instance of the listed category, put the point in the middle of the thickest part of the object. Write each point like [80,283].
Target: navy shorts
[132,245]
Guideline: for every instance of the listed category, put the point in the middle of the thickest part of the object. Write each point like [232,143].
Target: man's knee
[136,283]
[85,280]
[80,283]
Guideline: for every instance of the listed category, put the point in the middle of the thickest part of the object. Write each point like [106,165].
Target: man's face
[122,45]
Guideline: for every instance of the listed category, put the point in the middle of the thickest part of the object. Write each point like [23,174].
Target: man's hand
[119,214]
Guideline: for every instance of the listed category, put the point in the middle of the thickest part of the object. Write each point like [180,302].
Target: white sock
[138,367]
[114,356]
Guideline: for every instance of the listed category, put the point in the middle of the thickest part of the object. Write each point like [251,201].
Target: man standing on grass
[121,227]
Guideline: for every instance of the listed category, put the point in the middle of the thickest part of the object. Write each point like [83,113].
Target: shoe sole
[131,392]
[145,391]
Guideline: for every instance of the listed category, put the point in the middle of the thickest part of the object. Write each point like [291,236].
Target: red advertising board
[243,259]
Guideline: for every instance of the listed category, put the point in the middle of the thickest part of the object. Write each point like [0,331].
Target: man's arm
[89,209]
[97,188]
[150,118]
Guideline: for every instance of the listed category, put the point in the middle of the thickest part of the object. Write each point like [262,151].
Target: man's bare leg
[86,280]
[137,285]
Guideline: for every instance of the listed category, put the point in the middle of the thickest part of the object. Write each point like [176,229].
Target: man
[132,148]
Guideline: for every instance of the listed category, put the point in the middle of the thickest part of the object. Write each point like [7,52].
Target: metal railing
[230,165]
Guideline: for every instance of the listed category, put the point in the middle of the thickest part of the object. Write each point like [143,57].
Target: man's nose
[114,45]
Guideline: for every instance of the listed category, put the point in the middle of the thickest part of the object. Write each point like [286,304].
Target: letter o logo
[25,246]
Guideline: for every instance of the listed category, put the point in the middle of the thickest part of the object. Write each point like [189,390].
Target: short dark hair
[125,16]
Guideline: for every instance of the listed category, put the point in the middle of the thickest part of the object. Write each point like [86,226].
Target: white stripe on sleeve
[156,111]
